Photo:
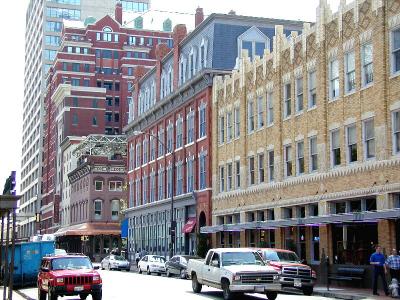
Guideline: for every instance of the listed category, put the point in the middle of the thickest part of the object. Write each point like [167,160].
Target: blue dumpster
[27,260]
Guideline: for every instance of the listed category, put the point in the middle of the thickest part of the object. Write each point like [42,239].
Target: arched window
[114,209]
[107,29]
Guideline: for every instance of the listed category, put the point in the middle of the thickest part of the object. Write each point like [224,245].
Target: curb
[331,294]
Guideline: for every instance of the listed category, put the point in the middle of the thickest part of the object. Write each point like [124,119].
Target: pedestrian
[137,258]
[393,263]
[378,261]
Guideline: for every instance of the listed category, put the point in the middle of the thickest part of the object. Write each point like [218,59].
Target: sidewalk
[348,293]
[15,295]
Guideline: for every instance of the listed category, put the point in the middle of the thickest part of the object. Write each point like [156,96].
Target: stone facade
[317,139]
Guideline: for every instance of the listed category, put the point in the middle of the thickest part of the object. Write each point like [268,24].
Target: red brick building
[88,92]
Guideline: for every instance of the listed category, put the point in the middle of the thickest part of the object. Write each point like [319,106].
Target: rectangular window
[221,179]
[53,26]
[221,130]
[300,158]
[160,183]
[287,101]
[152,187]
[271,170]
[261,177]
[161,145]
[179,133]
[138,155]
[351,143]
[170,137]
[288,160]
[335,148]
[179,179]
[52,40]
[202,172]
[229,134]
[334,79]
[396,132]
[145,151]
[395,50]
[75,67]
[190,127]
[97,209]
[299,94]
[115,186]
[270,109]
[202,120]
[169,181]
[250,117]
[367,75]
[350,75]
[252,179]
[312,89]
[313,154]
[190,175]
[260,113]
[229,178]
[137,192]
[152,148]
[98,185]
[144,190]
[237,174]
[369,139]
[75,82]
[237,122]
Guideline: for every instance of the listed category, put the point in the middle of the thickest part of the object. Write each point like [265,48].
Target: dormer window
[254,41]
[203,54]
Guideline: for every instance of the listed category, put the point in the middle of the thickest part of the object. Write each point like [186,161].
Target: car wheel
[182,274]
[83,296]
[308,290]
[271,295]
[226,292]
[97,295]
[41,294]
[148,271]
[128,269]
[51,296]
[168,273]
[196,286]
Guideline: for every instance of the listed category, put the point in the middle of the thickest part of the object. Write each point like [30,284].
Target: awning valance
[90,229]
[356,217]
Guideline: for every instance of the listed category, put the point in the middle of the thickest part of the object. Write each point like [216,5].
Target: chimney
[199,17]
[118,12]
[178,35]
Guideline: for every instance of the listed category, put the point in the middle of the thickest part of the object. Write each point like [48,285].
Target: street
[120,285]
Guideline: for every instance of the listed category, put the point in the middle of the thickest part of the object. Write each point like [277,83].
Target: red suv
[68,275]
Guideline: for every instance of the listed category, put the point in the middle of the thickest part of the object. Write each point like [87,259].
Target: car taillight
[96,279]
[59,281]
[313,274]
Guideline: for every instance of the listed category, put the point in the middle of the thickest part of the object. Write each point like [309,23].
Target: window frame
[299,94]
[334,162]
[300,159]
[334,80]
[312,154]
[350,144]
[365,65]
[287,100]
[396,133]
[288,160]
[350,74]
[367,140]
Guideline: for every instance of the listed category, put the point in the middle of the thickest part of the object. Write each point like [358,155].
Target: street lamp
[173,223]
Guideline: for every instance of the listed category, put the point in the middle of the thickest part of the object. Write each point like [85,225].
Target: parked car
[115,262]
[152,264]
[68,275]
[235,271]
[294,273]
[177,265]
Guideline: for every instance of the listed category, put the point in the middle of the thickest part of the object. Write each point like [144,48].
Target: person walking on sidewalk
[137,258]
[393,263]
[378,261]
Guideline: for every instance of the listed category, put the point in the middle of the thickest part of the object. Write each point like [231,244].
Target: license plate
[297,282]
[259,289]
[78,288]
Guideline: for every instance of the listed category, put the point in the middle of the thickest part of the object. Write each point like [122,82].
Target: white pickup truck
[235,271]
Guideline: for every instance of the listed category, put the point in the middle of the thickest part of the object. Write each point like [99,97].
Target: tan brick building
[307,149]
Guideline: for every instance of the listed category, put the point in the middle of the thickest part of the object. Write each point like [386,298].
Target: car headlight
[236,277]
[60,280]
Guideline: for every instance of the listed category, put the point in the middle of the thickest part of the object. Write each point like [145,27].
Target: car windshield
[71,263]
[117,257]
[241,258]
[159,259]
[281,256]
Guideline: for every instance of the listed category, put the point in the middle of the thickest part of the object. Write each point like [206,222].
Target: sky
[12,20]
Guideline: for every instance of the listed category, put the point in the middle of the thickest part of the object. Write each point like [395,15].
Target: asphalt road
[121,285]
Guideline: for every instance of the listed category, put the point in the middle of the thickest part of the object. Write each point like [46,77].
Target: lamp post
[173,223]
